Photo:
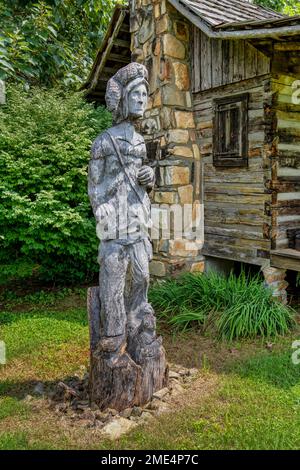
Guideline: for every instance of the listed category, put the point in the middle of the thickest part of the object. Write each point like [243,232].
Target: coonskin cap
[133,72]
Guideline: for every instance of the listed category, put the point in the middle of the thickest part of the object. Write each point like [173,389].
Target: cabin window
[231,131]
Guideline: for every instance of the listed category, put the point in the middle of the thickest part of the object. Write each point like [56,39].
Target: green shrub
[46,222]
[236,307]
[50,42]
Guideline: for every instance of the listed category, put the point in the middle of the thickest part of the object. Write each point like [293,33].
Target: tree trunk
[124,371]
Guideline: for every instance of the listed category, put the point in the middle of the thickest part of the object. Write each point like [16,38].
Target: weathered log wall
[249,210]
[285,160]
[221,62]
[236,200]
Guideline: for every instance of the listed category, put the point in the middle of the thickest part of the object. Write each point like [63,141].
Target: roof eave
[118,14]
[255,32]
[257,24]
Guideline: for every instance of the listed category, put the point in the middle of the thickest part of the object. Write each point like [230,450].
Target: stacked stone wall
[161,40]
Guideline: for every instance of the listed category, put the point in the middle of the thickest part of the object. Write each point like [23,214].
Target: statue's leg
[137,305]
[143,345]
[114,377]
[113,266]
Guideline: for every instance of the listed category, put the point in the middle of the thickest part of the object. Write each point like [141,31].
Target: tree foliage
[45,215]
[288,7]
[48,42]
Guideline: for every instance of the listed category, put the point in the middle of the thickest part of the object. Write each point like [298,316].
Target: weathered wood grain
[235,198]
[286,165]
[129,374]
[224,62]
[286,259]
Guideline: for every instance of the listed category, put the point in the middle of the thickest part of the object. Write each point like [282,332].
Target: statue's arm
[96,180]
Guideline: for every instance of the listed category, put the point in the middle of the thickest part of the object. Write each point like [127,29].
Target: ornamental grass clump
[233,307]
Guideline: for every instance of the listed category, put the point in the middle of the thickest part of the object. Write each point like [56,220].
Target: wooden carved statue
[127,359]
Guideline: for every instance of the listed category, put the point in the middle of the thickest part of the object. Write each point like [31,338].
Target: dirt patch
[192,349]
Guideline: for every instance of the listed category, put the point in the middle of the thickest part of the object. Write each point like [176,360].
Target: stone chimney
[161,39]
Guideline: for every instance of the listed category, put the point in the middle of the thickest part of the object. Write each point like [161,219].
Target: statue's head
[127,92]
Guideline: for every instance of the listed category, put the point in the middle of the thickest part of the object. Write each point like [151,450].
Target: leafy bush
[236,307]
[52,42]
[48,42]
[289,7]
[45,217]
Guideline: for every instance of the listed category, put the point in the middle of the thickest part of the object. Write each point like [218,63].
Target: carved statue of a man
[118,182]
[128,361]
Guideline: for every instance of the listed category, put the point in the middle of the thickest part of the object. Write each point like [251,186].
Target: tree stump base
[124,372]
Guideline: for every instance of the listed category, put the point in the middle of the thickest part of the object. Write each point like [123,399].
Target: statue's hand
[105,211]
[146,176]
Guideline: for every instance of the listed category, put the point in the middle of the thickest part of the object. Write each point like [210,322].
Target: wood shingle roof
[219,19]
[216,12]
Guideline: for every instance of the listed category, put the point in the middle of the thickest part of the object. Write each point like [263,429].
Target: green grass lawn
[247,396]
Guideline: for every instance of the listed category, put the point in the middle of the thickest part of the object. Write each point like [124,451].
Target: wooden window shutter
[230,147]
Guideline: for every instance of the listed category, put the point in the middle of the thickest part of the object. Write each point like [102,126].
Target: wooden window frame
[240,157]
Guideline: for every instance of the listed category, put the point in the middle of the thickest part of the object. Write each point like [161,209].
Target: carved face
[149,323]
[137,101]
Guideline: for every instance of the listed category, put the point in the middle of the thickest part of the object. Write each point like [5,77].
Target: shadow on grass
[21,389]
[73,315]
[274,368]
[16,389]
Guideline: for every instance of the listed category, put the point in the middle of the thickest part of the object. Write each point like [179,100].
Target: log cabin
[222,126]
